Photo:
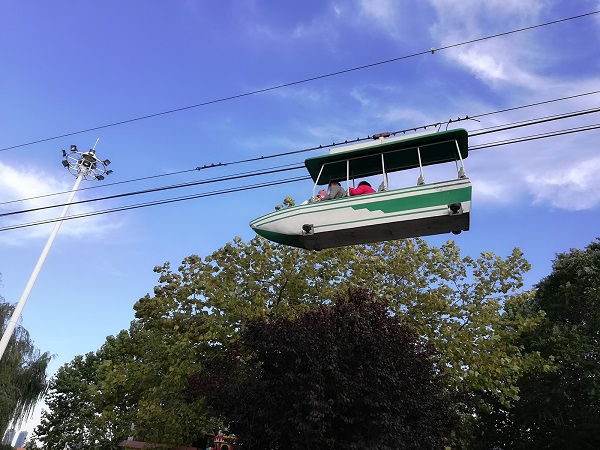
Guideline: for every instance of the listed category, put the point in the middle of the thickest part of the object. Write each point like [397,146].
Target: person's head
[364,183]
[333,183]
[322,193]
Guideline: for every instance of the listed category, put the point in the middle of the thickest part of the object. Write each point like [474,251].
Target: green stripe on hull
[432,196]
[416,211]
[418,201]
[400,216]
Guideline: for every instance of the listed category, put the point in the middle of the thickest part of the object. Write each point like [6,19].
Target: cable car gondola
[421,210]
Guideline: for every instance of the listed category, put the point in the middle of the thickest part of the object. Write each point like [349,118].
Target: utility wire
[278,182]
[545,102]
[306,80]
[276,155]
[163,188]
[98,186]
[158,202]
[279,169]
[123,182]
[536,136]
[526,123]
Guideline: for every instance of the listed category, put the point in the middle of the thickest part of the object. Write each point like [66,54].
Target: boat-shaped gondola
[421,210]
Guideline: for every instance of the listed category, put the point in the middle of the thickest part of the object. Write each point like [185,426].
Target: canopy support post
[461,172]
[347,177]
[317,182]
[385,177]
[421,179]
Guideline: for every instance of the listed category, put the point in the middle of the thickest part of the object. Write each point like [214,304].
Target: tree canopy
[23,378]
[560,408]
[78,416]
[469,309]
[343,376]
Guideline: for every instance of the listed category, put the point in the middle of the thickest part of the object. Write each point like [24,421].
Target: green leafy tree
[347,376]
[76,417]
[458,304]
[560,408]
[193,314]
[23,379]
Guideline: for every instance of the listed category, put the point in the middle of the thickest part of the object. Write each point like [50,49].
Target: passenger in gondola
[363,188]
[317,198]
[335,191]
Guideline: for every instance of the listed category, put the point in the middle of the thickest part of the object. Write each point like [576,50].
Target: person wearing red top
[363,188]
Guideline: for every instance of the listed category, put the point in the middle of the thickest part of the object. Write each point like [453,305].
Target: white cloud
[508,59]
[494,9]
[303,95]
[36,185]
[337,9]
[361,97]
[318,27]
[559,172]
[387,16]
[574,187]
[380,10]
[404,115]
[494,191]
[490,63]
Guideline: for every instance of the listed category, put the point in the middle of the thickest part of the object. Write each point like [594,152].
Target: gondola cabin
[420,210]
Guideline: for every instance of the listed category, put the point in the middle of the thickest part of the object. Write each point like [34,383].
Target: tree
[76,417]
[23,378]
[346,376]
[456,303]
[560,408]
[194,314]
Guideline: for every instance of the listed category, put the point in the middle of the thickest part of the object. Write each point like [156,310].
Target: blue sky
[71,66]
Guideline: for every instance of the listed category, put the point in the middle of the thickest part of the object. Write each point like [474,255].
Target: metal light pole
[85,166]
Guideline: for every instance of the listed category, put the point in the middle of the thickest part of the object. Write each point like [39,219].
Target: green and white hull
[424,210]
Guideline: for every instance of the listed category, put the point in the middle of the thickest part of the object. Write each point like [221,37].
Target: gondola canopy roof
[365,159]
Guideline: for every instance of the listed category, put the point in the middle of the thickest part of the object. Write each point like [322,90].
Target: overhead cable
[157,202]
[306,80]
[272,183]
[526,123]
[158,189]
[276,155]
[535,136]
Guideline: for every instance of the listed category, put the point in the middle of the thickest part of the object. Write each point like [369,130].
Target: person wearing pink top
[363,188]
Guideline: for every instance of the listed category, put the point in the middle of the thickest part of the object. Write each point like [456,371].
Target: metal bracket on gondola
[455,208]
[308,228]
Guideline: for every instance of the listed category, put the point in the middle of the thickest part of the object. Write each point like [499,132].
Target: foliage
[458,304]
[347,376]
[22,374]
[560,408]
[287,202]
[193,314]
[75,417]
[455,303]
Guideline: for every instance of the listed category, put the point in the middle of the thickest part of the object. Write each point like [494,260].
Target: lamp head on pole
[85,164]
